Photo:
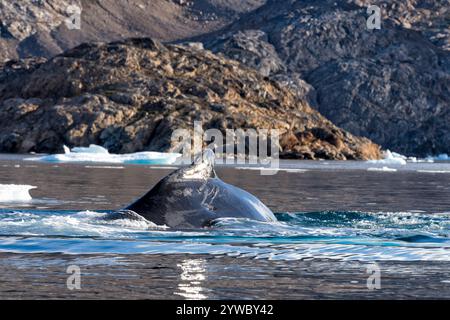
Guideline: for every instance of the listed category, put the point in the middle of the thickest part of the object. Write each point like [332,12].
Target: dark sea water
[337,221]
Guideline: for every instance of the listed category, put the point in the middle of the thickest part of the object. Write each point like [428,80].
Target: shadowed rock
[391,85]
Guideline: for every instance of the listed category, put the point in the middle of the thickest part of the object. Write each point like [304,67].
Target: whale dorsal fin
[202,168]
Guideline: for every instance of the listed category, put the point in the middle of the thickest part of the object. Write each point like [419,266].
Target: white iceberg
[390,158]
[15,193]
[98,154]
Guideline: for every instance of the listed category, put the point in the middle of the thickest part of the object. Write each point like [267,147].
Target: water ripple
[400,236]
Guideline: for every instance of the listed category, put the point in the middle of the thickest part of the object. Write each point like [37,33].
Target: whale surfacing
[194,196]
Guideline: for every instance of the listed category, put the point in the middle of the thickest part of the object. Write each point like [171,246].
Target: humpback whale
[194,196]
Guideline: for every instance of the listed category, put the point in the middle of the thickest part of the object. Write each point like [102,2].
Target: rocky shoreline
[130,95]
[389,85]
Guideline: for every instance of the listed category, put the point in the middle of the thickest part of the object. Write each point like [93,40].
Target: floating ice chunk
[98,154]
[419,160]
[433,171]
[395,155]
[390,158]
[15,193]
[150,158]
[91,149]
[384,169]
[441,157]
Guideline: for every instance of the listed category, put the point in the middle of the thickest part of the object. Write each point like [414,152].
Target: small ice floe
[98,154]
[15,193]
[418,160]
[384,169]
[441,157]
[390,158]
[433,171]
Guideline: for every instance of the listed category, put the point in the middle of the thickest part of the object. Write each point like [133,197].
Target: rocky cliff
[130,95]
[391,85]
[37,27]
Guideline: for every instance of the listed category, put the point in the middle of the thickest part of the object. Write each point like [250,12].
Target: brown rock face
[130,95]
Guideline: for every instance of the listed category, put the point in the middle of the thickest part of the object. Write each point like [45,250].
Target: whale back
[194,196]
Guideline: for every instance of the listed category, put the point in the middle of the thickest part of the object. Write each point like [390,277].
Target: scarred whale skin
[193,197]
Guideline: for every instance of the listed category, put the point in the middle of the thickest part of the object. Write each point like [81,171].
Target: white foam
[369,237]
[390,158]
[15,193]
[384,169]
[98,154]
[84,223]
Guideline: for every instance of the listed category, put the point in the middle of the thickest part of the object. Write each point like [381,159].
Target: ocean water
[335,219]
[394,236]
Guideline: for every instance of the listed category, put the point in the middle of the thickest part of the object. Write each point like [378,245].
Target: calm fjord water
[335,218]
